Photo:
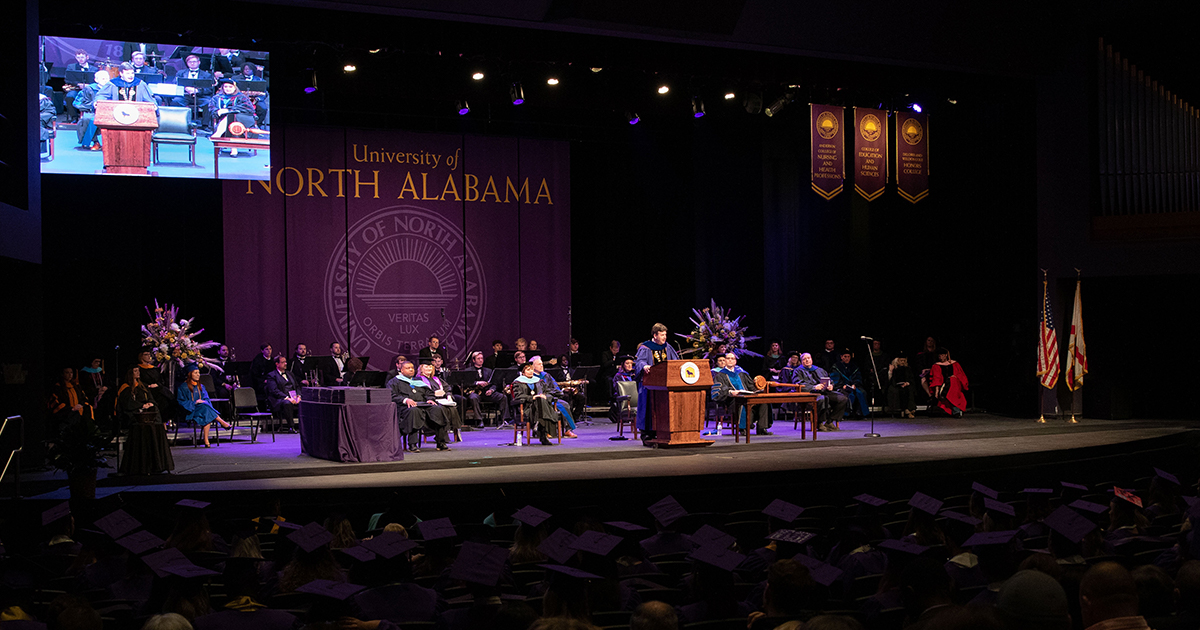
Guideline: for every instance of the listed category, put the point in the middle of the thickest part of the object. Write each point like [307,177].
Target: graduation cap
[221,82]
[626,526]
[793,353]
[185,569]
[140,542]
[62,510]
[667,511]
[570,572]
[117,524]
[284,524]
[1088,506]
[1037,491]
[720,557]
[192,503]
[479,563]
[872,501]
[901,546]
[822,573]
[925,503]
[710,536]
[966,519]
[1073,486]
[997,506]
[389,544]
[793,536]
[596,543]
[625,357]
[990,539]
[1166,476]
[311,537]
[437,529]
[984,490]
[358,552]
[783,510]
[1071,524]
[531,516]
[171,561]
[557,546]
[339,591]
[1128,496]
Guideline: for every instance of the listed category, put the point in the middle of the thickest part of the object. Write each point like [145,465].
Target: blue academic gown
[563,406]
[648,353]
[202,413]
[845,374]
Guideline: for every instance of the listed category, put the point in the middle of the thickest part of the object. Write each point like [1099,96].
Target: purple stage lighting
[632,117]
[310,89]
[463,108]
[697,107]
[916,107]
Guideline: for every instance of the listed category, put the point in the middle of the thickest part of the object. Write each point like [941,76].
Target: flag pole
[1076,392]
[1041,402]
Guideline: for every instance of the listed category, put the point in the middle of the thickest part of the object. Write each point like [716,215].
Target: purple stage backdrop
[380,239]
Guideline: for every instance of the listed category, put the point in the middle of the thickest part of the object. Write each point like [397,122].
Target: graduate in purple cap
[193,399]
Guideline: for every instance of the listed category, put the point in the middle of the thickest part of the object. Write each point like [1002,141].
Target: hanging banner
[912,155]
[828,150]
[870,152]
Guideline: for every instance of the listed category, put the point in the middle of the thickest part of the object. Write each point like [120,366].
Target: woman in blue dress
[193,398]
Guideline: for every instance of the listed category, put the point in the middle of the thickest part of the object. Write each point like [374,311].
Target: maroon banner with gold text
[912,155]
[828,150]
[870,152]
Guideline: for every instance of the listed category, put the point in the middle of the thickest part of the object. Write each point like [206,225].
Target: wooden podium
[126,128]
[677,391]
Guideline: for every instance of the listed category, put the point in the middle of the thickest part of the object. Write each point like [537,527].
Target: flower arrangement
[172,341]
[715,326]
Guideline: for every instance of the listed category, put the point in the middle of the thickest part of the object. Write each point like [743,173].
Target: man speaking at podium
[649,353]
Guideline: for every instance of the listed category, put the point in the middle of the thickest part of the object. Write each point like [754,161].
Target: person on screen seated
[85,103]
[196,98]
[127,87]
[732,378]
[48,116]
[258,96]
[283,393]
[193,400]
[227,106]
[71,90]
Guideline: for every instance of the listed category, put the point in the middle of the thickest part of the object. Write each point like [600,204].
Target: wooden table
[260,144]
[778,398]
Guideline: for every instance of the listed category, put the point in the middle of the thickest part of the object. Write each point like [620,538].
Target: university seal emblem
[870,127]
[912,132]
[827,125]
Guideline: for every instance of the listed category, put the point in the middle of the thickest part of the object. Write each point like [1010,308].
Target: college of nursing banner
[870,152]
[828,150]
[379,239]
[912,155]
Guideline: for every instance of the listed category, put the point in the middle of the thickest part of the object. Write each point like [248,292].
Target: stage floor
[482,457]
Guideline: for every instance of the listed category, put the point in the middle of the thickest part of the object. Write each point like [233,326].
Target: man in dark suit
[434,347]
[151,51]
[70,90]
[303,364]
[196,98]
[415,410]
[260,366]
[224,62]
[283,393]
[333,367]
[490,361]
[483,390]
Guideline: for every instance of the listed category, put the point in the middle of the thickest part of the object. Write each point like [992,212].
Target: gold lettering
[341,184]
[424,191]
[491,186]
[299,182]
[450,187]
[408,186]
[471,186]
[546,189]
[508,187]
[373,183]
[265,183]
[354,151]
[315,177]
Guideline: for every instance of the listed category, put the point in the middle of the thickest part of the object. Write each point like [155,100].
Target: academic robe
[724,382]
[91,382]
[541,412]
[956,380]
[614,408]
[831,403]
[453,419]
[560,399]
[130,401]
[238,107]
[413,419]
[648,353]
[195,402]
[844,375]
[902,397]
[64,396]
[119,90]
[151,376]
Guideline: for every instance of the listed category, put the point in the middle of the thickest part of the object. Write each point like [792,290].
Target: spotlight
[349,67]
[729,96]
[779,104]
[374,51]
[697,107]
[478,76]
[596,69]
[552,81]
[952,101]
[662,89]
[916,107]
[632,117]
[752,102]
[312,87]
[463,108]
[517,93]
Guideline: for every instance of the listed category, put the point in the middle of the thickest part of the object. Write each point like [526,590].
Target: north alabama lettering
[313,182]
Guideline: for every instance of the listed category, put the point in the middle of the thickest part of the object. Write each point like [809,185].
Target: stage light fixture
[463,108]
[697,107]
[596,69]
[776,106]
[916,107]
[348,68]
[662,89]
[729,96]
[752,102]
[478,76]
[552,81]
[517,93]
[374,50]
[632,117]
[952,101]
[312,86]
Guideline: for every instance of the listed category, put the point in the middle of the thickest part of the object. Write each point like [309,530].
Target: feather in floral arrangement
[715,326]
[172,341]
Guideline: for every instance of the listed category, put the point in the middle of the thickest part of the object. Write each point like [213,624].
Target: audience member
[1032,600]
[1108,599]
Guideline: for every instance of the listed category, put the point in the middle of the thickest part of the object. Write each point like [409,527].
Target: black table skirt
[356,432]
[146,450]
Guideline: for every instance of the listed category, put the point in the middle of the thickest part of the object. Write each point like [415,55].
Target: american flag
[1076,348]
[1047,344]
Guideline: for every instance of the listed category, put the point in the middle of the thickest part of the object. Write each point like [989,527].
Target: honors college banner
[912,155]
[828,150]
[870,152]
[379,239]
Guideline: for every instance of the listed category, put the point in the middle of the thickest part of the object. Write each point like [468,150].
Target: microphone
[866,338]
